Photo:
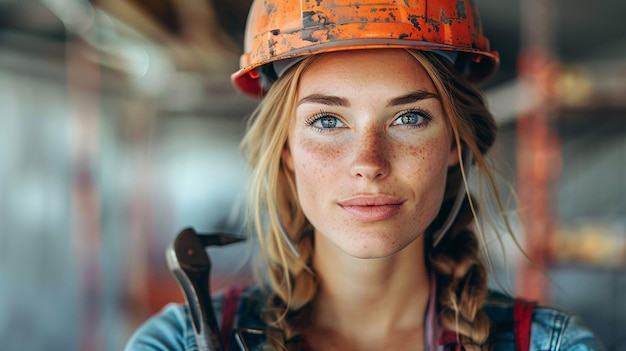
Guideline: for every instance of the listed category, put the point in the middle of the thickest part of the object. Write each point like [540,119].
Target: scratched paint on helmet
[460,9]
[315,26]
[279,29]
[416,20]
[444,17]
[315,19]
[271,44]
[392,16]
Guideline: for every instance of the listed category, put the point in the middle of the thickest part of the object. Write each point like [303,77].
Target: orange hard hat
[280,31]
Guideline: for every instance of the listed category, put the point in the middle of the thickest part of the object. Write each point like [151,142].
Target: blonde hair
[274,207]
[461,275]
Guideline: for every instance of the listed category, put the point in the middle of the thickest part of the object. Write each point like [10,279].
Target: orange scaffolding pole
[538,149]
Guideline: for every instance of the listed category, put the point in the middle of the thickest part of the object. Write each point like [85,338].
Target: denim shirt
[171,329]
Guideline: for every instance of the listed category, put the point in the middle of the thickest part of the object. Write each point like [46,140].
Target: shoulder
[168,330]
[550,328]
[171,328]
[573,334]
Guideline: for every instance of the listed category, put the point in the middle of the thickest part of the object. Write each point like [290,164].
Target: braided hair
[274,209]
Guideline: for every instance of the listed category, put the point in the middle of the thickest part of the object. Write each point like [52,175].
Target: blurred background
[119,127]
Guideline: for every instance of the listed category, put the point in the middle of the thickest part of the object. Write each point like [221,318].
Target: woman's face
[369,147]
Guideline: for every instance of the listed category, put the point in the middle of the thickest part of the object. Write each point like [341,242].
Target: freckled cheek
[425,165]
[316,159]
[316,171]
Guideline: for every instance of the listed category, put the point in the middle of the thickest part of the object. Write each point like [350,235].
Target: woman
[359,152]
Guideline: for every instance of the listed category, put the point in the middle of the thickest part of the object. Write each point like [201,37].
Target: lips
[371,208]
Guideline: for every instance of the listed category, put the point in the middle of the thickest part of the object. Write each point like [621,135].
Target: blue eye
[412,118]
[327,122]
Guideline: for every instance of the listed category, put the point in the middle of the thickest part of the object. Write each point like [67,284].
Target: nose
[371,158]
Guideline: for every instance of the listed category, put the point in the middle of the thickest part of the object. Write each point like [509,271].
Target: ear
[287,158]
[453,158]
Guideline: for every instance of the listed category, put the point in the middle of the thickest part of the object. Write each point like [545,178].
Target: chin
[374,249]
[367,242]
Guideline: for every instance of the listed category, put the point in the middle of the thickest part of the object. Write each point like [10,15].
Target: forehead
[383,70]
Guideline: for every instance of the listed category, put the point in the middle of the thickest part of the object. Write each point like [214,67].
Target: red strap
[229,310]
[522,318]
[447,337]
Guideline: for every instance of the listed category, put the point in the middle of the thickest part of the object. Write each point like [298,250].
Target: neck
[370,296]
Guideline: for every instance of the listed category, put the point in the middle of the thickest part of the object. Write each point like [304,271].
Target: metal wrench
[188,260]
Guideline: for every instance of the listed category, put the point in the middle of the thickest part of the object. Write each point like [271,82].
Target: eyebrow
[412,97]
[325,100]
[331,100]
